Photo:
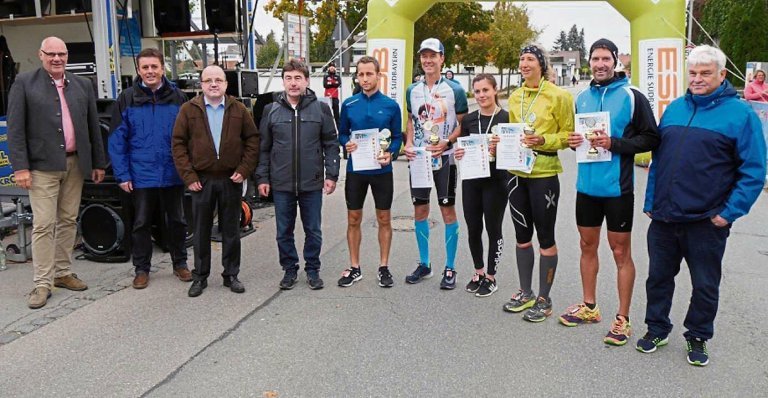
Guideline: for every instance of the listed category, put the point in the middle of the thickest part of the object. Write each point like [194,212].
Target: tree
[738,26]
[561,43]
[452,23]
[509,32]
[268,52]
[476,51]
[582,48]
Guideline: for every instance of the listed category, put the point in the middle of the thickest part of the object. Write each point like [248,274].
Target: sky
[597,18]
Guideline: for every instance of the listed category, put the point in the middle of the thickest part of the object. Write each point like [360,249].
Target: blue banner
[6,171]
[130,36]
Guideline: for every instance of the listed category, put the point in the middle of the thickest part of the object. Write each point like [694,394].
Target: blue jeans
[310,205]
[702,245]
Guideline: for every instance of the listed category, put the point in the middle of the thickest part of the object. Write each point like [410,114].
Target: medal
[428,125]
[531,118]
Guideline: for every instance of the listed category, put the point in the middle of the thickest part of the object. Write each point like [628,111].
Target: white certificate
[365,157]
[586,125]
[421,169]
[475,162]
[510,154]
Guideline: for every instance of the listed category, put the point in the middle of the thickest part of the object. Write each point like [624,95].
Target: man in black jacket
[299,160]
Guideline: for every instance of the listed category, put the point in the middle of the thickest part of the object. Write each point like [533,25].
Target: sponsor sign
[661,72]
[391,56]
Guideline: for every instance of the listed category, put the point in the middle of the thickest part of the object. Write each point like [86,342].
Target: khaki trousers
[55,199]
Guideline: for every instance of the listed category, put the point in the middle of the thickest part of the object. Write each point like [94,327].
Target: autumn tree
[510,31]
[475,52]
[452,24]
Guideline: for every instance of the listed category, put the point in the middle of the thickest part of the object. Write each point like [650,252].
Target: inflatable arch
[656,29]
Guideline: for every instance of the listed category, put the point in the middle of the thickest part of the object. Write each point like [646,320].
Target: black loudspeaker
[221,16]
[104,223]
[72,6]
[172,16]
[160,225]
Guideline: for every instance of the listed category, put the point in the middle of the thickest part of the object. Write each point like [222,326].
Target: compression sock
[422,239]
[451,243]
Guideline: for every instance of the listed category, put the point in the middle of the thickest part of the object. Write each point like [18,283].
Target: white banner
[661,72]
[391,56]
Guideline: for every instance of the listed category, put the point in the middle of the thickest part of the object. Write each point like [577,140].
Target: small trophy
[592,153]
[494,134]
[437,163]
[385,138]
[528,130]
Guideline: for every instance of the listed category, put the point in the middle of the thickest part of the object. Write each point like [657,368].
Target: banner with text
[391,56]
[661,72]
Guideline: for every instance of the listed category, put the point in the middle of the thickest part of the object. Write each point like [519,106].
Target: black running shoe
[423,271]
[449,280]
[487,287]
[289,280]
[314,281]
[350,276]
[474,283]
[385,278]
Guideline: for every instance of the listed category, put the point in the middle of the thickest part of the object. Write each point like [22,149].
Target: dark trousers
[310,205]
[170,201]
[702,245]
[222,194]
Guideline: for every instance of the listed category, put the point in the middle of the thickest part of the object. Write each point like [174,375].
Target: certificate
[421,168]
[365,157]
[589,124]
[510,154]
[475,162]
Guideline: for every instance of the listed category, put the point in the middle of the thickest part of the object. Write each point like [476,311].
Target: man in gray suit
[54,141]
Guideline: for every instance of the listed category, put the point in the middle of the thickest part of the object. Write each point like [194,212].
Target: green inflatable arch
[656,28]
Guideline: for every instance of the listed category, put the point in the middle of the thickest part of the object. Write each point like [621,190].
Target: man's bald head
[53,55]
[214,83]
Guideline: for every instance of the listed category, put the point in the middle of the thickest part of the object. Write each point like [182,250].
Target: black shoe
[350,276]
[314,281]
[234,284]
[487,287]
[289,280]
[198,285]
[475,282]
[449,280]
[385,278]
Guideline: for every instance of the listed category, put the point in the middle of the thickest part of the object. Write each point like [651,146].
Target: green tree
[510,30]
[476,51]
[561,43]
[268,52]
[452,24]
[738,26]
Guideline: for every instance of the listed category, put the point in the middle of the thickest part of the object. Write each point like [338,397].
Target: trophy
[437,163]
[494,134]
[528,130]
[385,138]
[591,134]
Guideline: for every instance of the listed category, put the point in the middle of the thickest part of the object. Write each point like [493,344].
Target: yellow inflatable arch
[656,29]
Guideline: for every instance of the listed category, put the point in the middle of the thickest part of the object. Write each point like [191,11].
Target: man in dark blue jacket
[140,149]
[369,110]
[707,172]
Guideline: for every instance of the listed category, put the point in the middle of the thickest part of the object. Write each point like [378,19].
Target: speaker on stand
[172,16]
[222,16]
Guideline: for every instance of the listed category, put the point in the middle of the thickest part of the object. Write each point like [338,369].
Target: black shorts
[618,211]
[445,184]
[356,188]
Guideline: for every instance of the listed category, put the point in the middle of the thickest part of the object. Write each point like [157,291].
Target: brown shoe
[38,297]
[141,280]
[183,274]
[70,282]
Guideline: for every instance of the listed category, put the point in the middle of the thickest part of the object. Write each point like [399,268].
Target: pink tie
[66,120]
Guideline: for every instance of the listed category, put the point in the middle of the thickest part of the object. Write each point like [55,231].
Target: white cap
[432,44]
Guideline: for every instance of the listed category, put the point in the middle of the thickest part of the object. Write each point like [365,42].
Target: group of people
[161,145]
[707,138]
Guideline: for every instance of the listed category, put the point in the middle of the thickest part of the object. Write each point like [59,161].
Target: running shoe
[449,280]
[474,283]
[520,302]
[385,278]
[289,279]
[649,343]
[578,314]
[487,287]
[697,352]
[350,276]
[620,331]
[423,271]
[540,311]
[314,281]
